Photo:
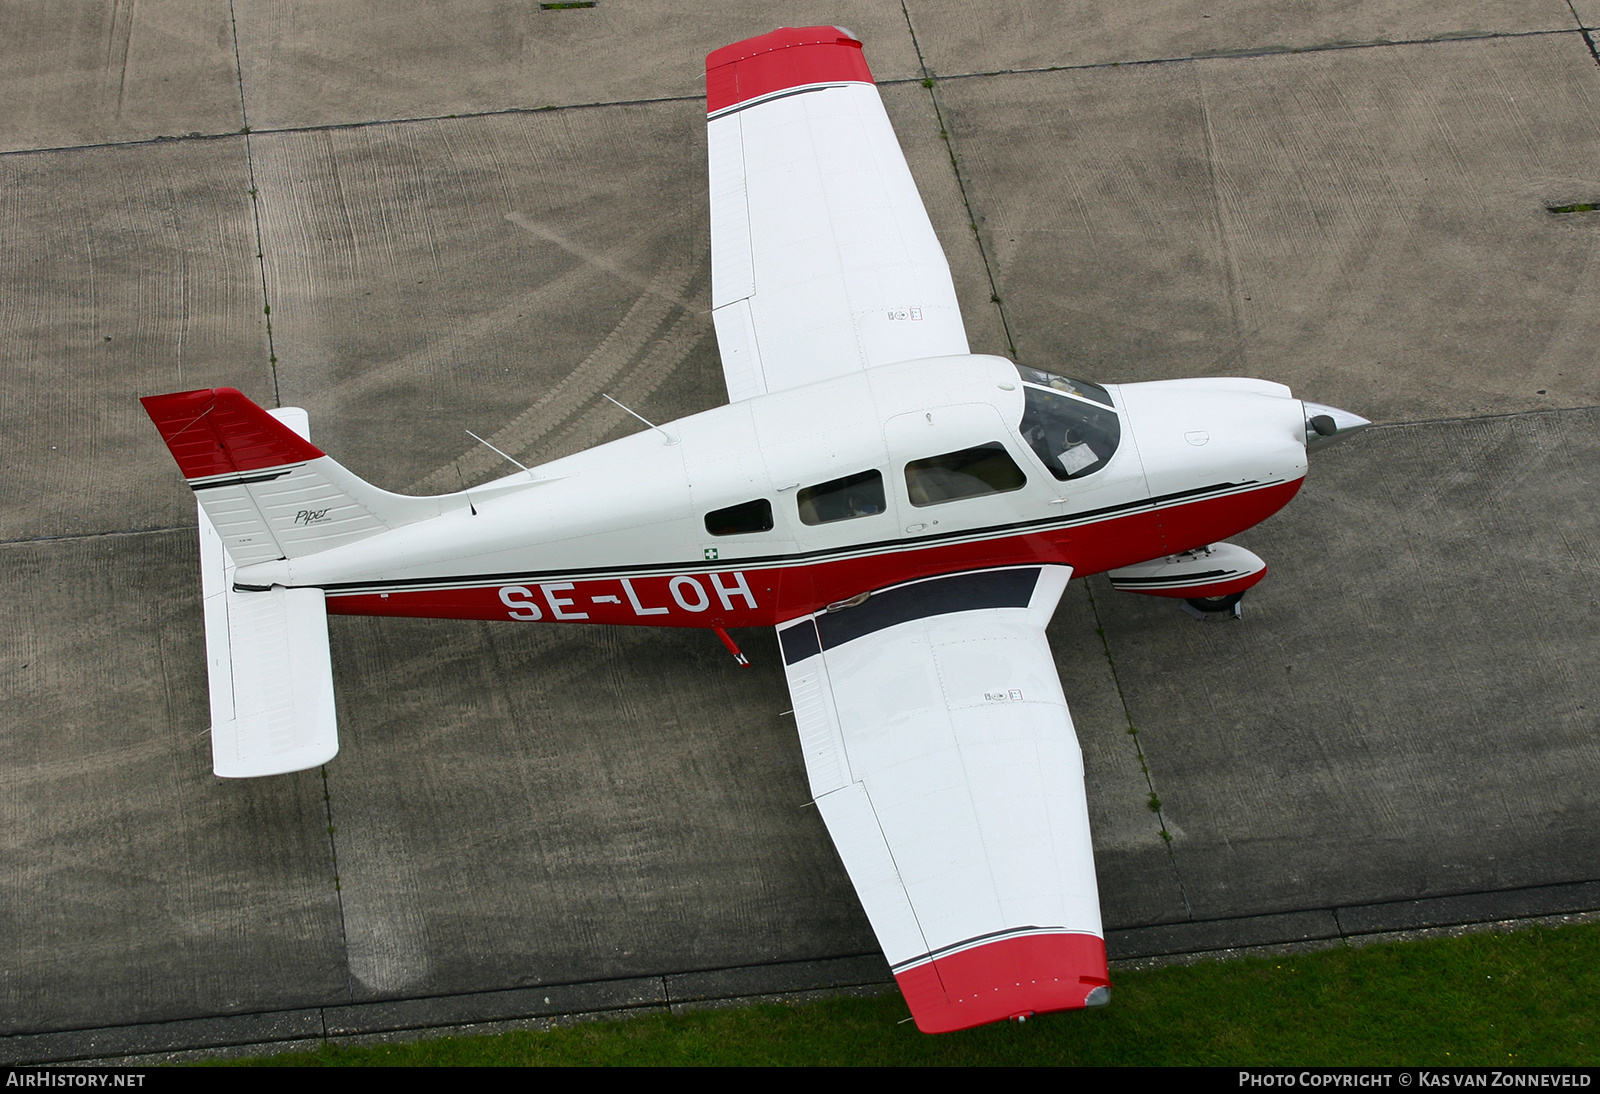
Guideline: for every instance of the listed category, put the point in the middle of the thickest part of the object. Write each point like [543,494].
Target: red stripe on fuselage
[1030,974]
[752,596]
[790,57]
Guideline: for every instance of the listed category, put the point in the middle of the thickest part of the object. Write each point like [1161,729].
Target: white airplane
[905,513]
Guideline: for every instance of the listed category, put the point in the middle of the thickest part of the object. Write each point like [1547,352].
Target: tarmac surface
[417,217]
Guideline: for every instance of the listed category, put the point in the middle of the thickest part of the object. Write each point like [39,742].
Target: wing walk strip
[943,761]
[975,591]
[769,562]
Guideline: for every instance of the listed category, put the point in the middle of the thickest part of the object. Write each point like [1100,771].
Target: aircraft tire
[1216,603]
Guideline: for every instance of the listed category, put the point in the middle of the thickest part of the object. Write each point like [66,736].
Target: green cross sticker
[711,553]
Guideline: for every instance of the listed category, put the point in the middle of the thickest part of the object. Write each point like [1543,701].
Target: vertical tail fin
[271,493]
[219,433]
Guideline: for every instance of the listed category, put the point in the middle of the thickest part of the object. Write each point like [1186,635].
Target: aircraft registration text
[574,601]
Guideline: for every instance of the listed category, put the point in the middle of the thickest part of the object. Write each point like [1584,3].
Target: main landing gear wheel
[1206,607]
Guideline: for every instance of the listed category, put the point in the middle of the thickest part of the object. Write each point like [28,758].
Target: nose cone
[1327,424]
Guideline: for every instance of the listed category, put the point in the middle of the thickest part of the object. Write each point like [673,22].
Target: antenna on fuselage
[492,448]
[645,420]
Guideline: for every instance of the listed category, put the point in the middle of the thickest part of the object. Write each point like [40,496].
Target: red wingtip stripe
[215,431]
[1030,974]
[788,57]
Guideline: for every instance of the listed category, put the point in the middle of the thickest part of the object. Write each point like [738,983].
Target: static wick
[645,420]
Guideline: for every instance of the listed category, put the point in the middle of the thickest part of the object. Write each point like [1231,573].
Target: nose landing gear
[1224,570]
[1208,608]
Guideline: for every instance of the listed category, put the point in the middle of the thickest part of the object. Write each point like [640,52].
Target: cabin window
[1072,437]
[738,520]
[969,473]
[842,499]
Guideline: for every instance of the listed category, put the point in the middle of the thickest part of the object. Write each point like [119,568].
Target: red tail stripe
[218,431]
[786,58]
[1031,974]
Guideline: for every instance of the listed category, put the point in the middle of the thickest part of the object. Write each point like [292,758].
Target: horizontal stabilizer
[271,675]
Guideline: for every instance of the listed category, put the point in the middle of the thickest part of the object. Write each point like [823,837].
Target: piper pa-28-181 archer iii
[905,513]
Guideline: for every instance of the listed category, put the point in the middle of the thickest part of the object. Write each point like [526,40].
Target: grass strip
[1528,997]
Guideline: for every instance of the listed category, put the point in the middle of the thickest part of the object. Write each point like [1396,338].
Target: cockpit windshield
[1068,423]
[1083,389]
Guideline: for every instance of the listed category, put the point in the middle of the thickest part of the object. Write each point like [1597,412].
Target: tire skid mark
[625,343]
[633,388]
[601,261]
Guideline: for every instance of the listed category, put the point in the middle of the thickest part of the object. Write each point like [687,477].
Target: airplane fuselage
[779,505]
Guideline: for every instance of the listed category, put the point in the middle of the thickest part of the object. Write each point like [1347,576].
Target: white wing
[944,762]
[823,261]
